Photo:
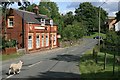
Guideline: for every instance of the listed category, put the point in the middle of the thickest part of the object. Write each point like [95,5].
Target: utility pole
[99,28]
[99,24]
[23,30]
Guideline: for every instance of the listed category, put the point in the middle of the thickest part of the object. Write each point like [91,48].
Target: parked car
[101,39]
[97,37]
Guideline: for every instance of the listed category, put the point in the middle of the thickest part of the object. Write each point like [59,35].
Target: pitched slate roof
[31,17]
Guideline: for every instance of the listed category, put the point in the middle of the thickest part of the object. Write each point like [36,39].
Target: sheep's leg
[18,71]
[14,71]
[9,71]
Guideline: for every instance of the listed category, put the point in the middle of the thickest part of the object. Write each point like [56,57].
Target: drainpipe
[50,38]
[23,30]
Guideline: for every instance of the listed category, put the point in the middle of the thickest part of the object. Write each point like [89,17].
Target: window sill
[10,27]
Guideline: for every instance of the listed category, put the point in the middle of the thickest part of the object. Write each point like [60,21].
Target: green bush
[73,32]
[11,43]
[8,43]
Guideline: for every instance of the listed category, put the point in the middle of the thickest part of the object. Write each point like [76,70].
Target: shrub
[11,43]
[8,43]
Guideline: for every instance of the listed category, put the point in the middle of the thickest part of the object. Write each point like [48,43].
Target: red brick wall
[9,50]
[16,31]
[40,32]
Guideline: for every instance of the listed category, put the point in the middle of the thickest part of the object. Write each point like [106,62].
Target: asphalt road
[56,63]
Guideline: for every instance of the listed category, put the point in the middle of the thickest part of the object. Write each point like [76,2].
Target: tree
[103,18]
[68,18]
[73,32]
[111,45]
[88,15]
[28,8]
[118,16]
[51,10]
[4,9]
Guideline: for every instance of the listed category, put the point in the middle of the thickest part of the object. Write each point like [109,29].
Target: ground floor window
[47,40]
[54,40]
[30,42]
[42,40]
[37,41]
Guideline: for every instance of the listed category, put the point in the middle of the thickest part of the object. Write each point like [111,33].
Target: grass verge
[89,69]
[10,56]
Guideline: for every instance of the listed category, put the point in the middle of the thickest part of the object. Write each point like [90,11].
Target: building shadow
[67,58]
[55,75]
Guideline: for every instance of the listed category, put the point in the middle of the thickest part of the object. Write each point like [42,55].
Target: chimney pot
[36,9]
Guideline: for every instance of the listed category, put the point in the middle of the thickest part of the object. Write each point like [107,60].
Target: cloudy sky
[111,6]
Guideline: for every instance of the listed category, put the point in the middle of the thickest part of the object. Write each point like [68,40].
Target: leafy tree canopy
[88,15]
[68,18]
[73,32]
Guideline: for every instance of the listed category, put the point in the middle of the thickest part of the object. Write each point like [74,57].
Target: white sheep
[15,68]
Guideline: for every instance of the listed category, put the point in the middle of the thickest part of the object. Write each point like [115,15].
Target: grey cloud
[109,6]
[73,5]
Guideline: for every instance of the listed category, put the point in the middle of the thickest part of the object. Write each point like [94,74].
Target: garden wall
[9,50]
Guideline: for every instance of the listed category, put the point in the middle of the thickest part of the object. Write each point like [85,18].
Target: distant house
[117,26]
[31,30]
[113,24]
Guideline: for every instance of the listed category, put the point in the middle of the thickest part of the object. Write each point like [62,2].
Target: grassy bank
[10,56]
[71,43]
[96,34]
[89,69]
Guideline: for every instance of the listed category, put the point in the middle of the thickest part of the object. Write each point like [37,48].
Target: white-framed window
[37,41]
[30,44]
[54,42]
[42,40]
[42,22]
[10,22]
[51,22]
[47,40]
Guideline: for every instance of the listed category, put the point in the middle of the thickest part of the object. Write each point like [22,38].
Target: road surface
[56,63]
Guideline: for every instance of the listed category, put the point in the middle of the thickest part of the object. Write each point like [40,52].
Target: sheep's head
[21,62]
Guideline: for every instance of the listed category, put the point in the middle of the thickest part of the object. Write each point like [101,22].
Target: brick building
[31,30]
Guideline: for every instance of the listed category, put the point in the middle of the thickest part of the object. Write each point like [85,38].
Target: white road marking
[9,76]
[63,53]
[34,64]
[28,66]
[73,49]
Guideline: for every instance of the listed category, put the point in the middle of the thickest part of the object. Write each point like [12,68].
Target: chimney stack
[36,9]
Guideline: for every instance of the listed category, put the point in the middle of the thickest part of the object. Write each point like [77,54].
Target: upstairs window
[42,22]
[51,22]
[10,22]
